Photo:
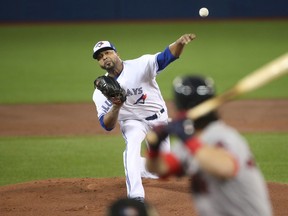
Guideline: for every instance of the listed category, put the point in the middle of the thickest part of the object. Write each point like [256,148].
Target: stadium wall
[94,10]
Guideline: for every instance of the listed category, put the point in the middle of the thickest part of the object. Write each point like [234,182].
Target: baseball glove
[110,88]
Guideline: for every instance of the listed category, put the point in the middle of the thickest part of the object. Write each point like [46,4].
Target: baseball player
[142,106]
[224,177]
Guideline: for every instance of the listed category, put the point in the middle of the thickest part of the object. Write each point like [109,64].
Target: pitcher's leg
[133,174]
[144,172]
[133,133]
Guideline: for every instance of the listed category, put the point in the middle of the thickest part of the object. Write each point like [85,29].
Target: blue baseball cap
[102,46]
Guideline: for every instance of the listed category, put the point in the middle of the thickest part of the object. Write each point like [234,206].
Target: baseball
[203,12]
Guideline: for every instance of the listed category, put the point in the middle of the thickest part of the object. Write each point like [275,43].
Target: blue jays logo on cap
[101,46]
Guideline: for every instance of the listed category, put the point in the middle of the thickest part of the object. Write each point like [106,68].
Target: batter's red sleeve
[174,165]
[193,144]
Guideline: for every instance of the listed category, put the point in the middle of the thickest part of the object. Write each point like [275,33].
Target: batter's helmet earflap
[192,90]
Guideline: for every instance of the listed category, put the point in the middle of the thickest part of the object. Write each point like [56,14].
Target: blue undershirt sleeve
[165,58]
[101,120]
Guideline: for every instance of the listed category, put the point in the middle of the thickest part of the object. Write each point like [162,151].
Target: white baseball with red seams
[203,12]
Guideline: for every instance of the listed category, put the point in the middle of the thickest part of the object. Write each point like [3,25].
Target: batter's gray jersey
[244,195]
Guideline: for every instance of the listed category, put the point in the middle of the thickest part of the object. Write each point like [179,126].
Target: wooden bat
[254,80]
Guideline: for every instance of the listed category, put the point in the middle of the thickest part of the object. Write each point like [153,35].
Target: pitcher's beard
[108,66]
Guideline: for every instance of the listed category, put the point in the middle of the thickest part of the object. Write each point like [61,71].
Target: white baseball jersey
[143,94]
[244,195]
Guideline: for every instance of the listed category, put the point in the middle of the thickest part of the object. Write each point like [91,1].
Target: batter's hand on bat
[160,133]
[183,128]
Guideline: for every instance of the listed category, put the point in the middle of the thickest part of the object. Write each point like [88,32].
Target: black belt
[155,116]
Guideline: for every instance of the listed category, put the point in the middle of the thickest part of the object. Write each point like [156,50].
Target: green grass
[25,159]
[53,63]
[270,151]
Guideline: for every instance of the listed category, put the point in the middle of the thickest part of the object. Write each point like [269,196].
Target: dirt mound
[91,196]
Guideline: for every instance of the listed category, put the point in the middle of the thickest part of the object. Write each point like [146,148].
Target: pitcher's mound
[92,196]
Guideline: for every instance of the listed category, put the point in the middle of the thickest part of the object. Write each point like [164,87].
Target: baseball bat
[254,80]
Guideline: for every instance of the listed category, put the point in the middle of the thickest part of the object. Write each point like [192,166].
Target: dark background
[94,10]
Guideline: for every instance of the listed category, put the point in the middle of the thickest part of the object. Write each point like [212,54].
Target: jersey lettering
[140,90]
[128,92]
[134,91]
[107,107]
